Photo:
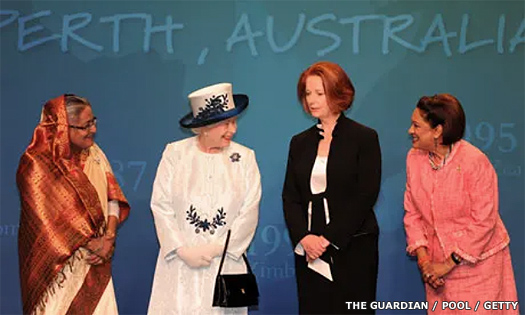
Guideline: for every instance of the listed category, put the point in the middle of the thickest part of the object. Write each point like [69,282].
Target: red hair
[338,88]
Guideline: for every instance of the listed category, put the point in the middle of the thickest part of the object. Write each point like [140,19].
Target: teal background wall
[136,61]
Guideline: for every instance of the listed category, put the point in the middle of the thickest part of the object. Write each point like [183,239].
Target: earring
[435,143]
[205,134]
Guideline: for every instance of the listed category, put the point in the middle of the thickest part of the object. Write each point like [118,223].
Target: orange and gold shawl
[60,212]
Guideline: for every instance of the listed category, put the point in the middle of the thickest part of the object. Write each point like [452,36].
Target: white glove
[194,257]
[213,250]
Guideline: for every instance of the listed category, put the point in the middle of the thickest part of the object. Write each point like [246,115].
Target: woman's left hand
[212,250]
[441,269]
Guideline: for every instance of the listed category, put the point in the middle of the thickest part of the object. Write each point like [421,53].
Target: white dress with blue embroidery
[196,198]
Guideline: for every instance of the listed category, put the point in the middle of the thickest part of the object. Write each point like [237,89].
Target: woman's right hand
[194,257]
[432,278]
[101,249]
[428,274]
[313,246]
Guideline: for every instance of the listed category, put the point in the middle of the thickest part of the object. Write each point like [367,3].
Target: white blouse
[317,186]
[318,177]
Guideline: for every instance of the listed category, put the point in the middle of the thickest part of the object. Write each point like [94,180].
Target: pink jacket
[458,204]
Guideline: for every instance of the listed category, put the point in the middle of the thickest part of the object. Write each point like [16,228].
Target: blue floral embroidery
[235,157]
[206,225]
[214,105]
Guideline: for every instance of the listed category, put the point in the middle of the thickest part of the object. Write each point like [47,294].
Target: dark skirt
[354,271]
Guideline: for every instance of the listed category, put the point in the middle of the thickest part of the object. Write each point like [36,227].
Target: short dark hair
[338,88]
[445,110]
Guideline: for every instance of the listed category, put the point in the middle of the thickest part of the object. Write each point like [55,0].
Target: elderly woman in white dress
[205,185]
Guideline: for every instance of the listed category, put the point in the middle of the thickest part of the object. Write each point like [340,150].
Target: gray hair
[75,105]
[197,131]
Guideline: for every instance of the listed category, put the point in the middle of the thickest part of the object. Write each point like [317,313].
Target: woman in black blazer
[332,183]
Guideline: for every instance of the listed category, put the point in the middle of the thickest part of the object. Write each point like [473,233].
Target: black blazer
[353,176]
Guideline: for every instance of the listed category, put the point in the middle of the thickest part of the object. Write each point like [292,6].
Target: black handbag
[235,290]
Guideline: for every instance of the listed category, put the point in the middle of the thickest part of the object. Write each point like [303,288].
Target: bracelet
[455,258]
[110,236]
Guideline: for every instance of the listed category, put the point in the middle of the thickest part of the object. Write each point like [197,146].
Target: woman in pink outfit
[451,218]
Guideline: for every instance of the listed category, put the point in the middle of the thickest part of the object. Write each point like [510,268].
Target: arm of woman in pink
[482,186]
[412,220]
[482,189]
[417,242]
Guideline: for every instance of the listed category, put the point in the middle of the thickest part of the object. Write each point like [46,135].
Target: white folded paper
[321,267]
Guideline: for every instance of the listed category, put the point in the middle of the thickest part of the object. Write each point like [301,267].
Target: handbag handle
[224,254]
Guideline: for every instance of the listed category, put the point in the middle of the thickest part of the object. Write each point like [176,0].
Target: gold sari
[62,208]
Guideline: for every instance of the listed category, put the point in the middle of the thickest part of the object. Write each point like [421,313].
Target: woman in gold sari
[71,206]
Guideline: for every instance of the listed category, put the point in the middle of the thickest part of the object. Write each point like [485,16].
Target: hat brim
[241,102]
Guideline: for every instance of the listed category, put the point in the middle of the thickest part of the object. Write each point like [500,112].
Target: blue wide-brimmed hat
[212,104]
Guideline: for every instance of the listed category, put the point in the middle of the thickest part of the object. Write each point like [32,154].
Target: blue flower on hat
[214,105]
